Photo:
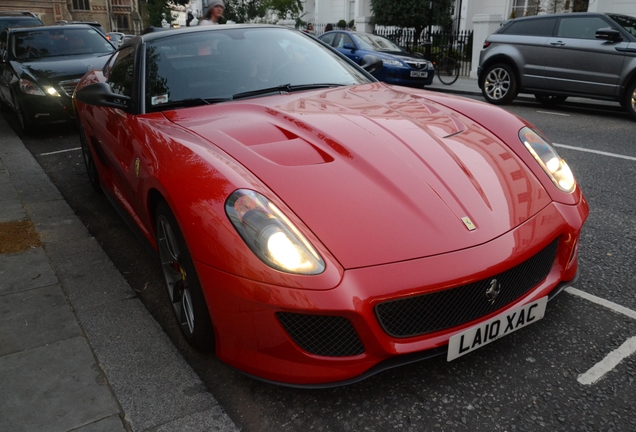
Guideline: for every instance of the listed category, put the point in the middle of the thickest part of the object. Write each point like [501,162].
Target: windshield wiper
[284,88]
[191,102]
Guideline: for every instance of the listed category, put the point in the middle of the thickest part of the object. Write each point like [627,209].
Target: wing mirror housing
[101,94]
[371,63]
[349,47]
[609,34]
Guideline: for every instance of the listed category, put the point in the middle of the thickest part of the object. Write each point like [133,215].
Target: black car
[18,19]
[40,67]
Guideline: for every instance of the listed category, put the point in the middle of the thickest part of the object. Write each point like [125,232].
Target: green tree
[292,9]
[417,14]
[242,11]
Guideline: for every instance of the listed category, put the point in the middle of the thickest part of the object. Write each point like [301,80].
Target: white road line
[611,360]
[606,303]
[60,151]
[595,152]
[554,113]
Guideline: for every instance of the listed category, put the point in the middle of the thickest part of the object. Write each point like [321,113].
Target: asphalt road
[575,370]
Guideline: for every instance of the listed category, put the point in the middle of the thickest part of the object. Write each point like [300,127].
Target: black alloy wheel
[182,282]
[89,162]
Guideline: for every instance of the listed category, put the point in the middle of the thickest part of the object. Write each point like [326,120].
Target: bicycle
[447,70]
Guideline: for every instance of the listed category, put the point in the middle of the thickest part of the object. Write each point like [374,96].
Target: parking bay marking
[610,361]
[599,152]
[60,151]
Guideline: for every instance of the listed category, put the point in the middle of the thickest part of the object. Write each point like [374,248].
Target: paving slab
[25,270]
[53,388]
[34,318]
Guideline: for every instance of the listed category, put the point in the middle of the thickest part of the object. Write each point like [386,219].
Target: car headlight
[31,88]
[391,62]
[555,167]
[271,235]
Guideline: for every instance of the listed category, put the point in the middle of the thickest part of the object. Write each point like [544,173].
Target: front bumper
[46,109]
[403,77]
[252,337]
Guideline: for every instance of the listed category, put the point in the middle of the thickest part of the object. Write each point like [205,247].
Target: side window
[580,27]
[532,27]
[346,39]
[3,44]
[328,39]
[120,75]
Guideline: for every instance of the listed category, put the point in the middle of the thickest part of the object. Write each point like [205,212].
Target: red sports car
[314,225]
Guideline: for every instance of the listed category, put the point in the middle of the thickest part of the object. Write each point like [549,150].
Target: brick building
[113,15]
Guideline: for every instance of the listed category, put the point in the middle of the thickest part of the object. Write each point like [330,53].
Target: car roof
[50,27]
[17,14]
[167,32]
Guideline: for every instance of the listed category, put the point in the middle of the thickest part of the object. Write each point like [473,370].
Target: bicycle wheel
[447,70]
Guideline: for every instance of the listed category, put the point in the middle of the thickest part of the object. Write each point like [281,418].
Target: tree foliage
[154,11]
[417,14]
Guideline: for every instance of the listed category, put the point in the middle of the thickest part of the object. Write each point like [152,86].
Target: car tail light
[486,44]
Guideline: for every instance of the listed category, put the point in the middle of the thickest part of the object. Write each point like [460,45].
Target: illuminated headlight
[51,91]
[391,62]
[555,167]
[30,88]
[271,235]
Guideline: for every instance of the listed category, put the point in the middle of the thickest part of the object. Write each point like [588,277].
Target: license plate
[482,334]
[416,74]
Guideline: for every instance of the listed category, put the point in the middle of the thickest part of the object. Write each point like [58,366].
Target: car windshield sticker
[161,99]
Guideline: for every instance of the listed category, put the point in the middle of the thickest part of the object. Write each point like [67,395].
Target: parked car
[398,66]
[315,225]
[588,55]
[116,38]
[40,67]
[18,19]
[96,25]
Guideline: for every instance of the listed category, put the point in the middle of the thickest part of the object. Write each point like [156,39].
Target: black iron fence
[458,45]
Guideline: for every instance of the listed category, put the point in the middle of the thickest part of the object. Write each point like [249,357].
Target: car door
[6,73]
[344,43]
[116,127]
[579,63]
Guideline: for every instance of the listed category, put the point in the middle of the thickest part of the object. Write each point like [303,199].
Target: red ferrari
[314,225]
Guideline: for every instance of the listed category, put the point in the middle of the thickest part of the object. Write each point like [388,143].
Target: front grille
[416,65]
[324,335]
[451,307]
[68,87]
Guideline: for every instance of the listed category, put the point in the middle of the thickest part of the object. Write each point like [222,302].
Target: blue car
[398,66]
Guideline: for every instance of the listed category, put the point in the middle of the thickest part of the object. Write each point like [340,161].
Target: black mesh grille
[454,306]
[325,335]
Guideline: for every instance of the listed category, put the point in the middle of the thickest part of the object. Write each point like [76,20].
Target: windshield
[216,65]
[375,43]
[38,44]
[627,22]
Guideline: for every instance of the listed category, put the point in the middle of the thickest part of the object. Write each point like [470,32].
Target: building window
[122,22]
[81,5]
[525,8]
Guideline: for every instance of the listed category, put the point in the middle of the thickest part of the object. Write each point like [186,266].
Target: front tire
[499,85]
[629,102]
[182,282]
[89,162]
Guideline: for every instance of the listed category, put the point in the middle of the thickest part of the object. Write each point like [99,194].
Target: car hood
[60,68]
[378,174]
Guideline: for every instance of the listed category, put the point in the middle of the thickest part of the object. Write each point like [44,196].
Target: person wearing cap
[214,13]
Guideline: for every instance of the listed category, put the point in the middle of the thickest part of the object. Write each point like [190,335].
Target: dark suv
[555,56]
[18,19]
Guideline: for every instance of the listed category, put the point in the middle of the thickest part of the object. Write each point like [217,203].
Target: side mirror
[609,34]
[349,47]
[371,63]
[100,94]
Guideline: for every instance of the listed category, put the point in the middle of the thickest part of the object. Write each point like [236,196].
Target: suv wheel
[629,103]
[549,99]
[499,85]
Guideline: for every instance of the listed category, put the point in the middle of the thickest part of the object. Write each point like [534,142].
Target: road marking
[60,151]
[595,151]
[609,362]
[554,113]
[628,348]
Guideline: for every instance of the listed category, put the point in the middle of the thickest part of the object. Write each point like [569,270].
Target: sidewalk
[463,86]
[78,350]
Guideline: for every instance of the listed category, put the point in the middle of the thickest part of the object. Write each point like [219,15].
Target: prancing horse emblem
[493,291]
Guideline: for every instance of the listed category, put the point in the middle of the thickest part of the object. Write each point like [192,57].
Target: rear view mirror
[100,94]
[609,34]
[371,63]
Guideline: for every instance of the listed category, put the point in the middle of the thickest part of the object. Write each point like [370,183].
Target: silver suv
[555,56]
